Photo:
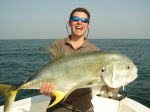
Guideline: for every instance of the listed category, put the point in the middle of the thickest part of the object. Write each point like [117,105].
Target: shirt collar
[67,41]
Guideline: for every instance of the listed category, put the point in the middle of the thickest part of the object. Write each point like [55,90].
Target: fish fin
[59,96]
[9,92]
[84,84]
[54,53]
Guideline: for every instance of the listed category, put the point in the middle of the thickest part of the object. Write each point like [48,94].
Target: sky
[46,19]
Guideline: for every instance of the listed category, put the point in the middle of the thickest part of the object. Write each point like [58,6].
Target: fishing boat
[39,104]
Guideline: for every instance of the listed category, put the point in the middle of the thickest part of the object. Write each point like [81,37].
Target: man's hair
[80,10]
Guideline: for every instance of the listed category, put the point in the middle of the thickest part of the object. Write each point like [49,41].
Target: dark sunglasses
[83,19]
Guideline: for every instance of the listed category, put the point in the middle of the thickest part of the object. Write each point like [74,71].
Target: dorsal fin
[54,53]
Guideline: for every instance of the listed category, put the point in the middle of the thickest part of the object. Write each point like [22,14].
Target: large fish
[83,70]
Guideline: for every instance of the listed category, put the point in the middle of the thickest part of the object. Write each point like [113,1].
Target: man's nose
[79,22]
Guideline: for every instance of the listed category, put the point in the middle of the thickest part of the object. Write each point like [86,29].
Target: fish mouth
[116,84]
[122,83]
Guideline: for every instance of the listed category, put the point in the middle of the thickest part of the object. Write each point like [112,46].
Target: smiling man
[76,42]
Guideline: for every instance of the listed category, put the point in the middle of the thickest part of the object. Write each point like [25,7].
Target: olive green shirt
[81,98]
[65,46]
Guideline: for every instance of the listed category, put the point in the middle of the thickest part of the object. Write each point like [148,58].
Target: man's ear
[88,27]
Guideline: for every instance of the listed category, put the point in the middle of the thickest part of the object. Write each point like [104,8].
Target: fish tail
[9,92]
[59,96]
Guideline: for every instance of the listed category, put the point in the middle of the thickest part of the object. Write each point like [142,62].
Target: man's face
[79,28]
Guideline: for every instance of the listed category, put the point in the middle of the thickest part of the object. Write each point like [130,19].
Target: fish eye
[128,67]
[102,70]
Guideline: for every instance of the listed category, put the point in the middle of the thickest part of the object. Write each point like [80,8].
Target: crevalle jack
[83,70]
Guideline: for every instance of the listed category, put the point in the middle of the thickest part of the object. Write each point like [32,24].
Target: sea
[19,59]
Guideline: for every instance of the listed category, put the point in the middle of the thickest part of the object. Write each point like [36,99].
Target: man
[79,100]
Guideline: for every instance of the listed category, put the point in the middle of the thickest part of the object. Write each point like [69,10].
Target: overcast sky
[40,19]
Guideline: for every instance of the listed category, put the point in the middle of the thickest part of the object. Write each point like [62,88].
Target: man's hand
[113,90]
[47,89]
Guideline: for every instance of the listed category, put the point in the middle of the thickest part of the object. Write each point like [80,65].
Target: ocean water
[20,59]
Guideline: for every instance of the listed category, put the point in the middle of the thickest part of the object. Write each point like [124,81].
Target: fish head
[119,73]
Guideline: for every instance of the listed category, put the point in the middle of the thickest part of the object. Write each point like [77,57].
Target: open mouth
[79,28]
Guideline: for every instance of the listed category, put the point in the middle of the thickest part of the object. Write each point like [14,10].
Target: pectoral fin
[62,95]
[59,96]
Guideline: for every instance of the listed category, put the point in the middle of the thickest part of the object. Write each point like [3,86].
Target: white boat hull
[39,104]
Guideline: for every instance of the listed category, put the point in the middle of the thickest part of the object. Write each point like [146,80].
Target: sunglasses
[83,19]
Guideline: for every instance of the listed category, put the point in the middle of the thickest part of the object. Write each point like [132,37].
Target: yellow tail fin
[59,96]
[10,93]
